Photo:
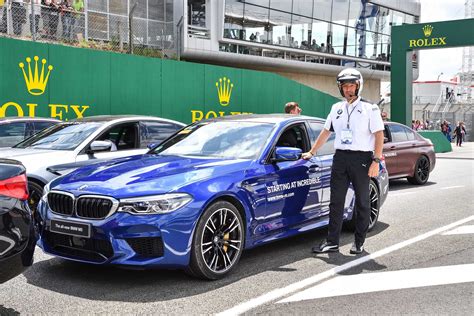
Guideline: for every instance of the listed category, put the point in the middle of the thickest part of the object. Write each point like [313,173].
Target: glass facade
[152,21]
[344,27]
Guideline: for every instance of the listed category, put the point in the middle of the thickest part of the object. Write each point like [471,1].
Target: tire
[218,242]
[422,171]
[35,193]
[374,196]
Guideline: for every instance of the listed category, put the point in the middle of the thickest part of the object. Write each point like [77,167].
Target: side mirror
[287,154]
[151,146]
[99,145]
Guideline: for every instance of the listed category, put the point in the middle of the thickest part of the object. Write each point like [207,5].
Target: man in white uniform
[358,143]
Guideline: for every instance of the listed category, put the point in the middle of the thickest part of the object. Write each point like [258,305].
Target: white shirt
[364,121]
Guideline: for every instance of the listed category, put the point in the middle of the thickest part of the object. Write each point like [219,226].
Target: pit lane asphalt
[56,286]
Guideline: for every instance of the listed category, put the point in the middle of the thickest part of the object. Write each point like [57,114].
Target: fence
[87,28]
[433,120]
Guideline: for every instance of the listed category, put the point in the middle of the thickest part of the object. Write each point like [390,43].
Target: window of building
[319,33]
[322,10]
[280,27]
[340,11]
[283,5]
[303,8]
[197,12]
[397,18]
[301,32]
[338,33]
[256,23]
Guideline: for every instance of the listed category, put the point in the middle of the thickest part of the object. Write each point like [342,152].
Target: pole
[33,21]
[130,32]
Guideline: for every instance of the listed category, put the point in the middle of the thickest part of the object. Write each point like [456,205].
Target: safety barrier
[440,142]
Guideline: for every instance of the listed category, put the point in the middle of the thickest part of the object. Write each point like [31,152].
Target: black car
[17,234]
[15,129]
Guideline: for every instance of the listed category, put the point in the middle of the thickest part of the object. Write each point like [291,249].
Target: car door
[293,187]
[397,150]
[125,142]
[324,155]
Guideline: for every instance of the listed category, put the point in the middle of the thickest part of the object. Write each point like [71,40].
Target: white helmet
[350,75]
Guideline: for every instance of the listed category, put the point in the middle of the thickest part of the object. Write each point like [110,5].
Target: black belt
[354,151]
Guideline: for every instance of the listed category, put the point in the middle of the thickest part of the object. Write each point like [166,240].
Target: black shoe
[326,246]
[356,249]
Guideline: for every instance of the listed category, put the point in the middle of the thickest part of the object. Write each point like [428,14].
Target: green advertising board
[409,37]
[65,82]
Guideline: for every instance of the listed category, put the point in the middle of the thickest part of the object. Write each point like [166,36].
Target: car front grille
[85,206]
[61,203]
[91,207]
[149,247]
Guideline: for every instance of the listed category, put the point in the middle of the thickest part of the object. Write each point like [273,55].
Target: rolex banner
[65,82]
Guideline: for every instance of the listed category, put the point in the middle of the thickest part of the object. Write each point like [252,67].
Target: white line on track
[452,187]
[466,229]
[282,292]
[385,281]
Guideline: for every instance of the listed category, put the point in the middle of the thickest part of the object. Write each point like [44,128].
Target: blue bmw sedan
[199,199]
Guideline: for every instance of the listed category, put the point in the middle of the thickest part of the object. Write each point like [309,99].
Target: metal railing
[61,23]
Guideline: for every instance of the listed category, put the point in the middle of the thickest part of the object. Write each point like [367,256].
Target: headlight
[156,204]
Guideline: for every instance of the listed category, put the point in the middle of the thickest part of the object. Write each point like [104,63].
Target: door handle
[313,168]
[393,147]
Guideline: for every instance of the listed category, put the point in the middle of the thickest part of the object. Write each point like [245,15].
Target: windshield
[236,140]
[61,137]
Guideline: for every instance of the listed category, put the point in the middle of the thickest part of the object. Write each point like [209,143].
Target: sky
[448,61]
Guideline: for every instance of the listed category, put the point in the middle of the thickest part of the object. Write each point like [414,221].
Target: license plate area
[70,228]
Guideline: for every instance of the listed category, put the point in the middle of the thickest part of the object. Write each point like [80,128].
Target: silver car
[90,138]
[15,129]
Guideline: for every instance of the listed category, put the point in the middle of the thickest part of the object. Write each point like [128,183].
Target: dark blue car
[199,199]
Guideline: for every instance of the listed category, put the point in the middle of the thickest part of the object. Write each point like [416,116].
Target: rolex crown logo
[35,82]
[224,90]
[427,29]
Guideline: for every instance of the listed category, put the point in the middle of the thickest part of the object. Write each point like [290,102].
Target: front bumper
[124,239]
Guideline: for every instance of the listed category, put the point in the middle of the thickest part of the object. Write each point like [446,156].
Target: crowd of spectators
[44,18]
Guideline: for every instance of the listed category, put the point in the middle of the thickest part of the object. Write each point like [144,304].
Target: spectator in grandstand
[78,20]
[18,16]
[67,19]
[35,15]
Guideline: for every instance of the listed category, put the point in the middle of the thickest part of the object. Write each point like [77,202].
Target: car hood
[24,152]
[145,175]
[33,158]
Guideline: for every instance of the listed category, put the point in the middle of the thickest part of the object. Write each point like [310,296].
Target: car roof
[394,123]
[110,118]
[4,120]
[274,118]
